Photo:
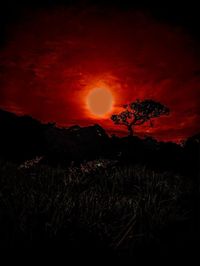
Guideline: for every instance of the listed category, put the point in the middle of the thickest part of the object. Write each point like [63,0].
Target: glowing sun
[100,101]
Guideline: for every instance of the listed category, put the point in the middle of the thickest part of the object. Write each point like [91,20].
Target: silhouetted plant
[139,112]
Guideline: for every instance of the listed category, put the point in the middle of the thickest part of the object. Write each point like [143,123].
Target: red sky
[53,57]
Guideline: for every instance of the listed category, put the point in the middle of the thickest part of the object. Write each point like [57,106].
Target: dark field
[102,208]
[77,194]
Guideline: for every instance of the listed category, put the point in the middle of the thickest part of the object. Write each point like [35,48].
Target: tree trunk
[130,129]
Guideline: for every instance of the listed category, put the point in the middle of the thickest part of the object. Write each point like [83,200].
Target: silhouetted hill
[75,143]
[192,149]
[22,138]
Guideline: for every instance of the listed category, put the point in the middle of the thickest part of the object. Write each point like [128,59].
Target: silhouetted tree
[139,112]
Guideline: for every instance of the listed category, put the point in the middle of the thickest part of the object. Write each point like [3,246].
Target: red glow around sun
[100,96]
[48,74]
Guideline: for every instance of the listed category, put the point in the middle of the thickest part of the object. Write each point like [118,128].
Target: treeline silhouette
[23,138]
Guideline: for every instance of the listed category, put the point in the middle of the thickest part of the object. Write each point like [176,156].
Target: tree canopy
[139,112]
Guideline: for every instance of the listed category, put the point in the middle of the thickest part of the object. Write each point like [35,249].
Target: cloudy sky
[52,56]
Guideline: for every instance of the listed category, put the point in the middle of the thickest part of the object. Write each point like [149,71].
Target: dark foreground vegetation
[117,212]
[77,194]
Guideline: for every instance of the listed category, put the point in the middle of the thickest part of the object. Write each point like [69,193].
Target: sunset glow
[60,69]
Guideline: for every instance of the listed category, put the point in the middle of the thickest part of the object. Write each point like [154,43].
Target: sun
[100,102]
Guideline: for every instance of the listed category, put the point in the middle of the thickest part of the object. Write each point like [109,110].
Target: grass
[121,207]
